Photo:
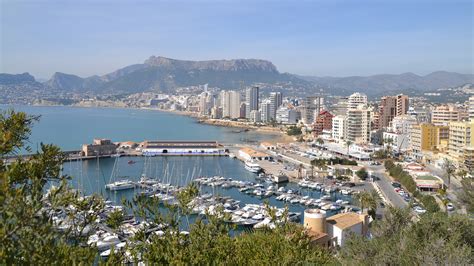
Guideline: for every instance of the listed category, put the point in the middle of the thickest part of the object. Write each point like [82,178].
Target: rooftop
[253,152]
[344,220]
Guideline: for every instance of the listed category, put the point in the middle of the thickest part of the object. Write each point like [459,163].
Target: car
[382,205]
[397,189]
[419,210]
[450,207]
[396,184]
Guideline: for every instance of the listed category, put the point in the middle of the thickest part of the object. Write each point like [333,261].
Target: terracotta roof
[253,152]
[344,220]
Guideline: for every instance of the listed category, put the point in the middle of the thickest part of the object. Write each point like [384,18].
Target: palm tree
[449,169]
[367,199]
[388,142]
[320,141]
[348,143]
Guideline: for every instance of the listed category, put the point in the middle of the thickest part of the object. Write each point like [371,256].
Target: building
[251,100]
[336,229]
[99,147]
[471,108]
[461,141]
[268,146]
[230,102]
[323,122]
[339,127]
[251,154]
[426,137]
[286,115]
[255,116]
[402,124]
[311,107]
[276,100]
[356,99]
[390,107]
[153,148]
[444,114]
[358,125]
[266,112]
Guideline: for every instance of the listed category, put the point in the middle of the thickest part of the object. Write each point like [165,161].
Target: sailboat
[114,184]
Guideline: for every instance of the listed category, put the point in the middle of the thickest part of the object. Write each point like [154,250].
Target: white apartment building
[339,127]
[471,108]
[285,115]
[356,99]
[230,102]
[358,125]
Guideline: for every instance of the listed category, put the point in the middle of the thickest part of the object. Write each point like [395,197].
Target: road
[385,184]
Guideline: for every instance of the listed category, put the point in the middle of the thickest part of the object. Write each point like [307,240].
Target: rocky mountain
[161,74]
[16,79]
[381,84]
[72,83]
[164,74]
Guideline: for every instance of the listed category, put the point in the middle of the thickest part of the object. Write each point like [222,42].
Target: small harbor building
[154,148]
[99,147]
[251,154]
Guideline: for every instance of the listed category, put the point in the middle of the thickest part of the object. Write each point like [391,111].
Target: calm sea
[70,127]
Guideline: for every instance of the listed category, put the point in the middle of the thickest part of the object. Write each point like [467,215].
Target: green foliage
[398,239]
[362,174]
[337,160]
[396,171]
[28,234]
[466,195]
[430,203]
[294,131]
[367,199]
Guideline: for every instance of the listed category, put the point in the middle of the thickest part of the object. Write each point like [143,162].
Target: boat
[252,167]
[131,162]
[120,185]
[231,155]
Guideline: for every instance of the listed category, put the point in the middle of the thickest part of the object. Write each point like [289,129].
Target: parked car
[450,207]
[396,184]
[419,210]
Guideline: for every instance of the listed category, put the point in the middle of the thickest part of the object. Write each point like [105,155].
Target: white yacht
[120,185]
[252,167]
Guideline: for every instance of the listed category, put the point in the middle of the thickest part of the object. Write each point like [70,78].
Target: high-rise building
[323,122]
[230,102]
[356,99]
[276,100]
[255,116]
[390,107]
[339,127]
[471,108]
[402,124]
[311,107]
[461,142]
[266,111]
[251,100]
[286,115]
[426,137]
[203,103]
[444,114]
[358,125]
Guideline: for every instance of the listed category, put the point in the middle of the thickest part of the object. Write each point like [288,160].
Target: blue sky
[332,37]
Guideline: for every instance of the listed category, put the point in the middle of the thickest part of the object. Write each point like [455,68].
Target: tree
[388,145]
[294,131]
[320,141]
[466,195]
[362,174]
[449,170]
[29,230]
[348,144]
[367,199]
[398,239]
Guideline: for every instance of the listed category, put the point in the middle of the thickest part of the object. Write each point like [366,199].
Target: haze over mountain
[161,74]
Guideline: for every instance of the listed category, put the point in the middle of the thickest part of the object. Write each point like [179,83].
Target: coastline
[264,130]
